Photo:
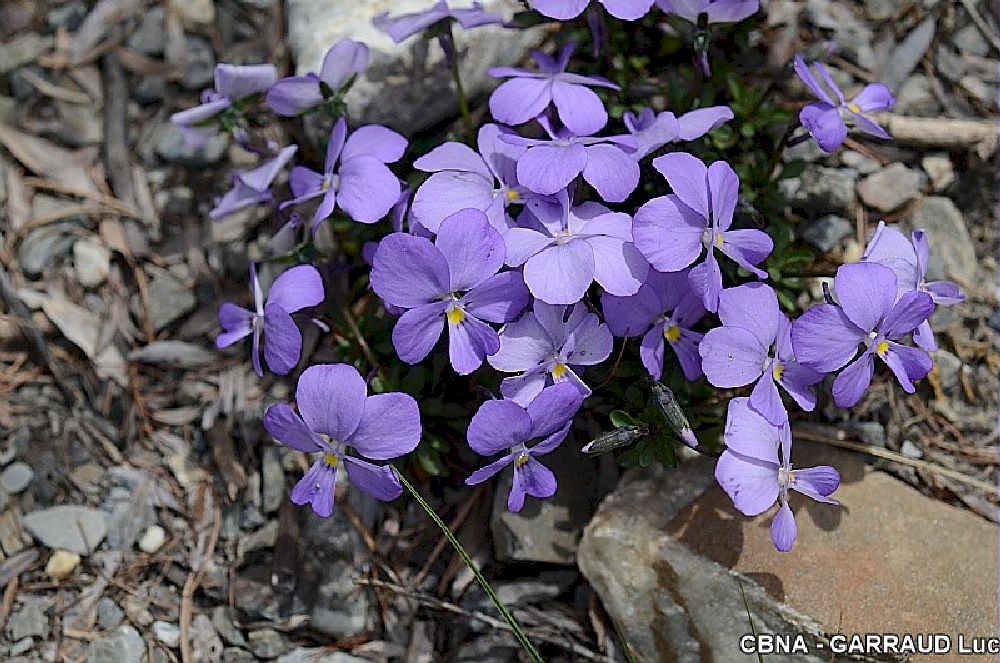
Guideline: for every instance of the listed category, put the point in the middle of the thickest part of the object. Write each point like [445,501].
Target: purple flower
[428,280]
[463,179]
[653,131]
[296,289]
[251,187]
[671,230]
[568,248]
[404,26]
[754,343]
[549,345]
[233,84]
[826,337]
[504,426]
[563,10]
[753,476]
[361,185]
[717,11]
[665,308]
[291,96]
[827,120]
[528,94]
[336,414]
[908,260]
[548,166]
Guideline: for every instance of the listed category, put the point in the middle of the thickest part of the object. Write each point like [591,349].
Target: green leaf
[620,418]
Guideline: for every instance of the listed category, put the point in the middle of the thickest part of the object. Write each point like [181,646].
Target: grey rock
[853,36]
[406,86]
[150,36]
[865,165]
[488,649]
[199,68]
[952,254]
[949,64]
[205,639]
[939,169]
[979,90]
[673,604]
[224,620]
[915,97]
[911,450]
[109,614]
[821,190]
[91,262]
[75,528]
[149,89]
[168,634]
[907,55]
[68,16]
[340,606]
[28,622]
[808,151]
[168,299]
[319,655]
[124,644]
[949,369]
[892,187]
[970,41]
[827,232]
[272,480]
[79,124]
[43,247]
[880,10]
[170,146]
[237,655]
[267,643]
[869,432]
[16,477]
[23,49]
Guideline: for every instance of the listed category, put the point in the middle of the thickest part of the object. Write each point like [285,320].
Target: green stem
[501,608]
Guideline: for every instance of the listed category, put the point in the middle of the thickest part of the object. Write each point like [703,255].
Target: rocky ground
[143,512]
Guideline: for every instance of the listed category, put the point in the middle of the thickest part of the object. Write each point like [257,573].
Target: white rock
[16,477]
[938,167]
[153,539]
[92,262]
[167,633]
[61,564]
[407,86]
[75,528]
[194,12]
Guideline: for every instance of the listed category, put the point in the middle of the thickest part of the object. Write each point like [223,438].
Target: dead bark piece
[47,159]
[104,16]
[82,328]
[978,135]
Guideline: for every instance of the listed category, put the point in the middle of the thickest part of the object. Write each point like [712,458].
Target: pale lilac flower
[716,11]
[297,288]
[453,281]
[503,426]
[653,131]
[547,345]
[672,230]
[752,474]
[462,178]
[566,248]
[337,415]
[251,187]
[908,260]
[234,86]
[404,26]
[355,176]
[827,337]
[606,163]
[827,119]
[528,94]
[345,60]
[662,312]
[563,10]
[754,343]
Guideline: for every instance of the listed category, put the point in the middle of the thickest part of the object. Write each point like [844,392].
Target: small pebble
[16,477]
[61,564]
[167,633]
[153,539]
[910,450]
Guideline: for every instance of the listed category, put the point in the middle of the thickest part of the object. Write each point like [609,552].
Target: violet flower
[715,11]
[429,281]
[234,86]
[297,288]
[528,94]
[251,187]
[504,426]
[548,166]
[754,343]
[361,185]
[568,248]
[563,10]
[826,337]
[293,95]
[672,230]
[652,131]
[548,345]
[827,120]
[404,26]
[337,415]
[664,309]
[462,179]
[754,478]
[908,260]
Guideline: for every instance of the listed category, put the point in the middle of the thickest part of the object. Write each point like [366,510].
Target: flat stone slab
[889,560]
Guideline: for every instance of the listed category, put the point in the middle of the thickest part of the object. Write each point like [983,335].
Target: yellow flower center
[512,195]
[672,333]
[456,315]
[882,348]
[559,370]
[853,107]
[779,370]
[718,240]
[521,460]
[331,460]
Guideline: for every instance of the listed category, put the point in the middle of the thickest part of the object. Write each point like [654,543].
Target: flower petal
[687,176]
[500,298]
[549,168]
[751,435]
[824,339]
[282,340]
[754,307]
[520,99]
[368,189]
[853,381]
[561,274]
[580,109]
[288,428]
[297,288]
[379,481]
[783,529]
[317,488]
[417,330]
[409,271]
[668,233]
[331,399]
[498,425]
[751,484]
[389,426]
[469,342]
[473,249]
[553,408]
[866,291]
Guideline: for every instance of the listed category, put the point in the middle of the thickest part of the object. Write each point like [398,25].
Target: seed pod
[616,439]
[674,415]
